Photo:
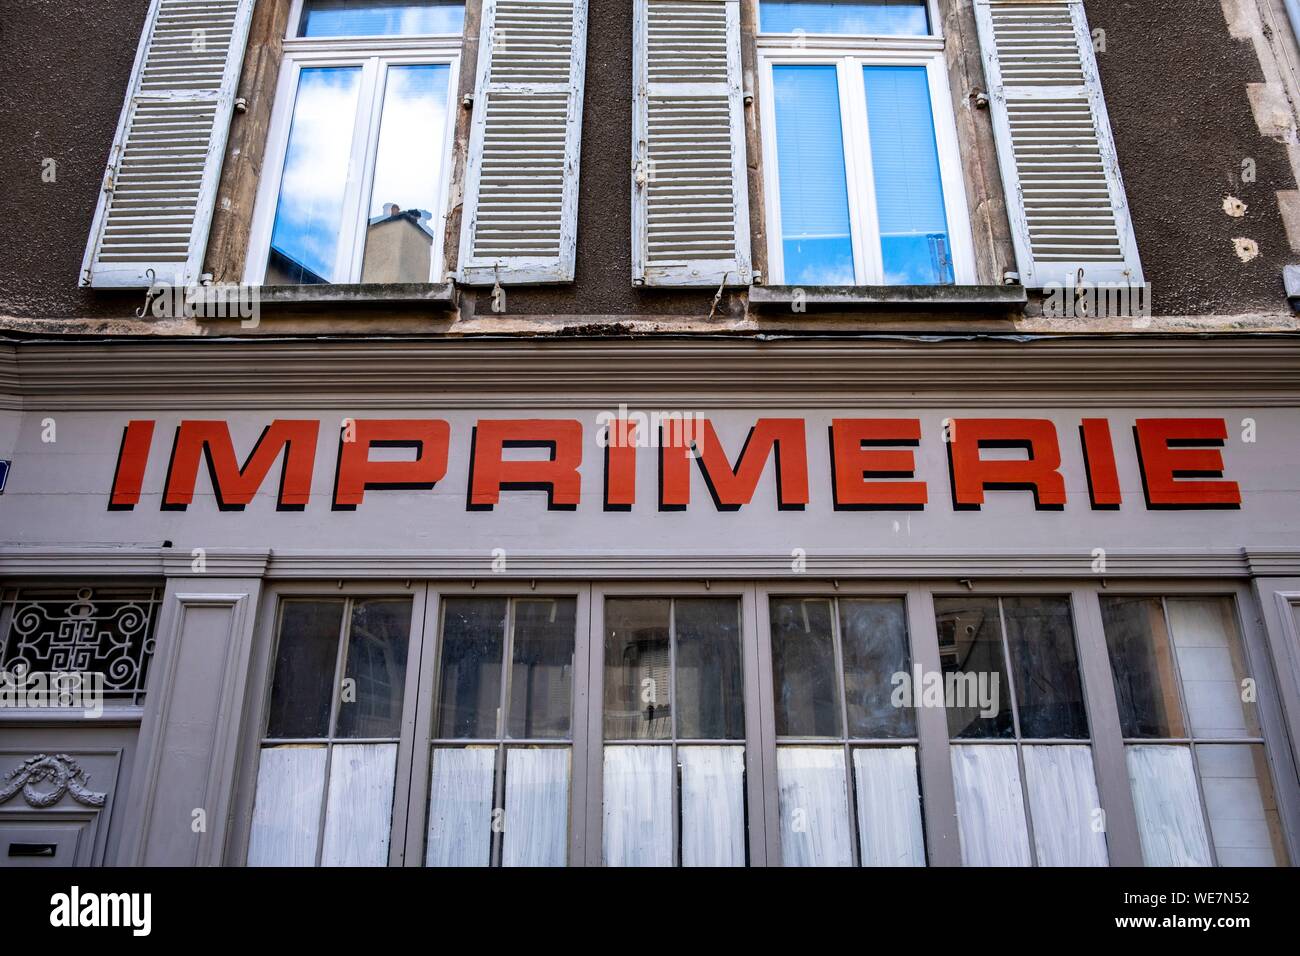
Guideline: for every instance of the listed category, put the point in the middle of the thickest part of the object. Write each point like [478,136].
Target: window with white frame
[360,145]
[862,170]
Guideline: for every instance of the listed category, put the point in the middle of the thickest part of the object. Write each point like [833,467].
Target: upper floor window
[359,146]
[862,170]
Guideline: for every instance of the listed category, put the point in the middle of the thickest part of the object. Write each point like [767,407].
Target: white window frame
[374,55]
[849,54]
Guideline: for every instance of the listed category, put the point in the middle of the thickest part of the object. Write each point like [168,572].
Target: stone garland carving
[61,770]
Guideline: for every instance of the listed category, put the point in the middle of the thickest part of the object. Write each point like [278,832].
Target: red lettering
[559,476]
[430,438]
[620,466]
[1099,463]
[733,487]
[972,474]
[234,486]
[132,459]
[856,456]
[1166,454]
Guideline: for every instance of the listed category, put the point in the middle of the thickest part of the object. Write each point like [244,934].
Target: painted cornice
[481,373]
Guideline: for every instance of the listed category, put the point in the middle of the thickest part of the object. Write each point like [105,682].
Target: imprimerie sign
[872,461]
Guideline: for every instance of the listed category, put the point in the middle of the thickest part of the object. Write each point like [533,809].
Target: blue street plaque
[4,475]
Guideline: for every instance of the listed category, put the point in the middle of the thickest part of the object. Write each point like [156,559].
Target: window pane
[1064,805]
[914,241]
[377,662]
[879,17]
[637,662]
[1142,667]
[541,671]
[1239,801]
[889,806]
[970,647]
[460,807]
[305,659]
[405,206]
[309,211]
[638,793]
[537,807]
[1045,665]
[1212,667]
[816,240]
[814,807]
[1170,823]
[803,669]
[469,696]
[713,805]
[874,634]
[710,692]
[359,18]
[286,811]
[990,806]
[359,813]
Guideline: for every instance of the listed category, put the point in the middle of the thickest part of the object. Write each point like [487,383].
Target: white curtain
[359,814]
[460,807]
[537,807]
[1168,808]
[286,811]
[638,806]
[990,806]
[713,806]
[1063,803]
[814,807]
[889,807]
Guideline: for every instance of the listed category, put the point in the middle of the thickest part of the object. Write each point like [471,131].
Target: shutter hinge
[639,174]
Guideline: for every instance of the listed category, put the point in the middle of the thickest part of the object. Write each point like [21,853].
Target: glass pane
[990,806]
[637,662]
[713,805]
[1212,668]
[815,237]
[541,669]
[1239,801]
[874,634]
[537,807]
[974,668]
[1142,667]
[914,241]
[359,813]
[638,793]
[469,696]
[361,18]
[1170,823]
[1063,803]
[814,807]
[305,660]
[878,17]
[803,668]
[710,692]
[377,662]
[1045,666]
[460,807]
[405,207]
[286,812]
[309,211]
[889,806]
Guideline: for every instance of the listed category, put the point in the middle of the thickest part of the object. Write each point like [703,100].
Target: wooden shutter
[1065,196]
[690,198]
[158,193]
[520,221]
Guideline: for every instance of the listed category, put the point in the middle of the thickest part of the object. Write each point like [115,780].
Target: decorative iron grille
[108,631]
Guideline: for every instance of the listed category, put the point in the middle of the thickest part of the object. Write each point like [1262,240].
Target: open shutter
[690,194]
[156,205]
[520,221]
[1065,196]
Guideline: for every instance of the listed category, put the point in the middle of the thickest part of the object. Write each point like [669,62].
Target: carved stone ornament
[65,775]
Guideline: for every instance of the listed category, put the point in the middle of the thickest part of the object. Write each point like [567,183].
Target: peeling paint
[1247,249]
[1234,207]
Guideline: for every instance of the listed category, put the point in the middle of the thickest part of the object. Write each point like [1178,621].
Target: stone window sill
[920,298]
[423,296]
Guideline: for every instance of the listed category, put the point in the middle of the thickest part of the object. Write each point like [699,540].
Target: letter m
[234,485]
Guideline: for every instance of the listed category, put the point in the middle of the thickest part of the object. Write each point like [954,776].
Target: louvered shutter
[690,199]
[160,187]
[1065,196]
[520,221]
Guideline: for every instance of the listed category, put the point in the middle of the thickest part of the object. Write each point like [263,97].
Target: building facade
[650,432]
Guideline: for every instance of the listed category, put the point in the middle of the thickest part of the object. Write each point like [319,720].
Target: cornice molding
[550,373]
[1274,564]
[27,562]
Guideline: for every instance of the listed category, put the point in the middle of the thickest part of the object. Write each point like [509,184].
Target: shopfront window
[1021,757]
[846,755]
[1193,744]
[674,733]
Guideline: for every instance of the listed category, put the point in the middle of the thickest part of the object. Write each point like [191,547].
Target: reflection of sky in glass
[815,236]
[909,191]
[896,18]
[409,163]
[350,18]
[309,213]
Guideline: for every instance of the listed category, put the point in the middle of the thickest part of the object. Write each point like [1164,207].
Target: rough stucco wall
[1175,85]
[1174,79]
